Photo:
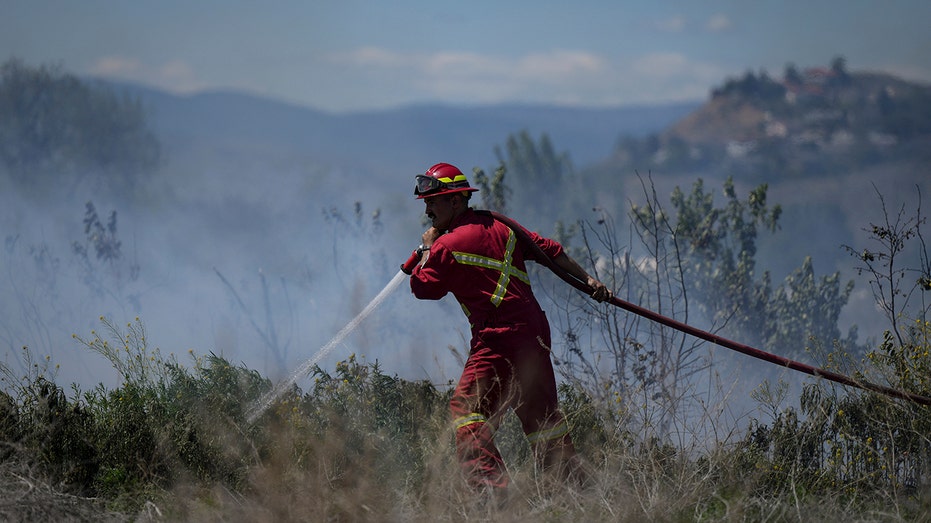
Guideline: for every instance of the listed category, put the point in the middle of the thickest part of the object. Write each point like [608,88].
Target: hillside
[819,107]
[827,143]
[814,122]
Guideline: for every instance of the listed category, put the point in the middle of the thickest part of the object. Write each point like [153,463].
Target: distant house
[812,85]
[817,76]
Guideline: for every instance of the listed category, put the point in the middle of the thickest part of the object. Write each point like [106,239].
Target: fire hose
[688,329]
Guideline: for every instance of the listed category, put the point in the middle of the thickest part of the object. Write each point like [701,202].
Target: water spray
[266,401]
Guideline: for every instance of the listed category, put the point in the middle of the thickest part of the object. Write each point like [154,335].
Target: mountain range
[811,123]
[411,137]
[827,142]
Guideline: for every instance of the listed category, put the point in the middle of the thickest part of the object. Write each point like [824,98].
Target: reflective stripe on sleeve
[549,434]
[468,419]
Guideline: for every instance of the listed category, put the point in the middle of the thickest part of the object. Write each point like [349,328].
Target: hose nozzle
[408,266]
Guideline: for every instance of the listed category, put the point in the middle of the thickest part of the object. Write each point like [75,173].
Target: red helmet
[442,178]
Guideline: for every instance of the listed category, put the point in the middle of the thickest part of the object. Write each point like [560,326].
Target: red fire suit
[480,261]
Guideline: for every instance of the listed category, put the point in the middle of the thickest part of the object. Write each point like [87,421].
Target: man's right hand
[429,236]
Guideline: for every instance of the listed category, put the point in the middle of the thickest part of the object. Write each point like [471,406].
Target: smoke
[304,368]
[256,265]
[260,252]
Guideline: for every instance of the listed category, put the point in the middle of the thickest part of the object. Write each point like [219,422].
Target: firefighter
[480,261]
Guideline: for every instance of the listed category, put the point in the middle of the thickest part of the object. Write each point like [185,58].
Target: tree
[854,439]
[537,173]
[806,307]
[897,286]
[720,252]
[840,77]
[57,129]
[719,267]
[791,75]
[495,193]
[839,67]
[695,262]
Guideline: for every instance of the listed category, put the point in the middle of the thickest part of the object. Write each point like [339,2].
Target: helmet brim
[447,191]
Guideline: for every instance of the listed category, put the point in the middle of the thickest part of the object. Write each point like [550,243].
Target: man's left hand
[600,292]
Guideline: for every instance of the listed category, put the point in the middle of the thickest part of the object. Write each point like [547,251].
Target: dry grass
[27,496]
[363,446]
[639,483]
[294,482]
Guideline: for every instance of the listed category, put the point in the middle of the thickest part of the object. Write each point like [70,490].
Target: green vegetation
[363,445]
[718,247]
[529,172]
[59,131]
[171,441]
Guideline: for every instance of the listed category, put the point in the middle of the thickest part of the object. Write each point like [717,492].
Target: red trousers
[508,367]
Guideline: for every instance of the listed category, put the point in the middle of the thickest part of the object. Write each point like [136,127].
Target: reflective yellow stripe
[505,266]
[547,434]
[467,313]
[469,419]
[458,178]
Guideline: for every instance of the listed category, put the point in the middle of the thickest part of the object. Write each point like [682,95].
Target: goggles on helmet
[427,184]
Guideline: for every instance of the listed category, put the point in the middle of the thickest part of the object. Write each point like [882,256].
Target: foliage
[820,302]
[697,264]
[495,193]
[859,445]
[620,358]
[750,85]
[362,445]
[167,425]
[897,283]
[359,437]
[40,279]
[536,172]
[371,412]
[719,247]
[106,272]
[37,415]
[59,131]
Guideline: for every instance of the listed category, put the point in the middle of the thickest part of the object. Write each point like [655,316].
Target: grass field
[172,444]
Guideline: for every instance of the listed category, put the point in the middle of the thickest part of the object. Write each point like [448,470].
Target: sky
[350,55]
